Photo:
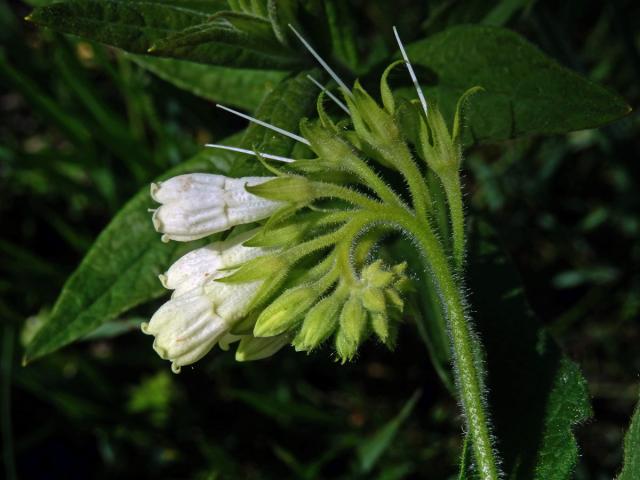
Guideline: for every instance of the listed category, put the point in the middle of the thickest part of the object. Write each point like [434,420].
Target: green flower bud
[442,155]
[380,326]
[442,150]
[319,323]
[353,326]
[327,145]
[374,124]
[373,300]
[394,298]
[285,312]
[252,348]
[376,276]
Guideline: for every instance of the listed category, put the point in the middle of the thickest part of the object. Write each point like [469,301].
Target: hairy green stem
[371,180]
[468,370]
[456,212]
[417,186]
[330,190]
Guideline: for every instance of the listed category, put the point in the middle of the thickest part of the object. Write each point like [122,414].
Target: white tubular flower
[204,264]
[199,204]
[231,300]
[202,311]
[186,328]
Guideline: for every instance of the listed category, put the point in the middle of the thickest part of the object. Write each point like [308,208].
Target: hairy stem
[468,370]
[360,168]
[417,186]
[456,212]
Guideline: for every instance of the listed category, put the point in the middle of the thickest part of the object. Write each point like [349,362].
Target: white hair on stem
[329,94]
[250,152]
[282,131]
[412,74]
[324,64]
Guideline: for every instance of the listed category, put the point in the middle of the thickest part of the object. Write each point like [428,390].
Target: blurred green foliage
[83,127]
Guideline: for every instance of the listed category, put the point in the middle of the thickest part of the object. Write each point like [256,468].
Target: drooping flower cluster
[308,272]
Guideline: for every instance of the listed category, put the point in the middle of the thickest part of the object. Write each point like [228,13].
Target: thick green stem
[468,370]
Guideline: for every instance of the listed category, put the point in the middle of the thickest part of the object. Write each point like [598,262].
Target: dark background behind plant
[83,128]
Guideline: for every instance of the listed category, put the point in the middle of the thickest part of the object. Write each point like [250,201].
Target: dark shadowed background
[83,127]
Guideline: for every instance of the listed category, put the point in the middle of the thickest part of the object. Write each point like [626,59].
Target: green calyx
[295,190]
[440,148]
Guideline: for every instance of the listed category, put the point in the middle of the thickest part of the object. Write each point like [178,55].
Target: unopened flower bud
[380,326]
[319,323]
[353,325]
[252,348]
[285,312]
[373,300]
[376,275]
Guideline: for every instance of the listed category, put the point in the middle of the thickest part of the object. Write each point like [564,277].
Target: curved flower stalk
[309,274]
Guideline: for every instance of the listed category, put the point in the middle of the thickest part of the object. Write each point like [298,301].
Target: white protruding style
[324,64]
[329,94]
[199,204]
[282,131]
[412,74]
[250,152]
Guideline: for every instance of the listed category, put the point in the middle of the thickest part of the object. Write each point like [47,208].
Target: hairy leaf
[242,88]
[631,468]
[228,38]
[536,394]
[120,271]
[525,92]
[130,25]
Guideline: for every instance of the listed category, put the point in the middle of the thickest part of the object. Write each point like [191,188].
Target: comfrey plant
[310,272]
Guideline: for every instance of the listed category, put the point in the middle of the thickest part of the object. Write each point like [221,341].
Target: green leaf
[120,271]
[525,92]
[289,102]
[631,468]
[228,38]
[536,394]
[342,31]
[242,88]
[370,451]
[130,25]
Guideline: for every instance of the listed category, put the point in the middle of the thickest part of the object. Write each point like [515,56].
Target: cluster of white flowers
[201,310]
[204,308]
